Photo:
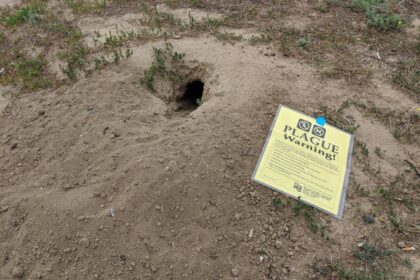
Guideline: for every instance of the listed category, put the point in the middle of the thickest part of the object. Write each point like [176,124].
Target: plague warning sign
[306,160]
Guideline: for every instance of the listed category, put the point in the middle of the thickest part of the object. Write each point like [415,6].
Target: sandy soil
[179,184]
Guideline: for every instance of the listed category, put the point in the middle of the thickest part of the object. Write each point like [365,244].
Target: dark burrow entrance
[191,97]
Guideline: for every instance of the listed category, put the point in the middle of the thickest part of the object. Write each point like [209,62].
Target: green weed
[76,59]
[369,253]
[31,13]
[260,39]
[83,7]
[2,38]
[379,14]
[337,118]
[303,43]
[31,71]
[117,39]
[361,191]
[230,37]
[353,274]
[407,75]
[276,203]
[159,66]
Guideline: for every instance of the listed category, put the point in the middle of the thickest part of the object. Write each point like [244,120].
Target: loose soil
[102,178]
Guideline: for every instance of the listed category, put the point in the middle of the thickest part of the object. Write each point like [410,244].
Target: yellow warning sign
[306,160]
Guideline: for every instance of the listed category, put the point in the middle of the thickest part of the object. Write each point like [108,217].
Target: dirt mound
[105,178]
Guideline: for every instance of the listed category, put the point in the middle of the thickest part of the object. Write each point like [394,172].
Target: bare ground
[178,182]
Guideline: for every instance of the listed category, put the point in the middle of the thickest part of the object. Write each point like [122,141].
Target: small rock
[251,233]
[84,242]
[13,146]
[4,209]
[67,250]
[235,272]
[17,272]
[68,187]
[278,244]
[401,244]
[157,207]
[237,216]
[368,219]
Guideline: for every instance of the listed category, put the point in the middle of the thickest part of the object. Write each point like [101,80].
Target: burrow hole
[192,96]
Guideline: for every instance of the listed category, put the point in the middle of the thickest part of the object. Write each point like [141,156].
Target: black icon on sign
[318,131]
[304,125]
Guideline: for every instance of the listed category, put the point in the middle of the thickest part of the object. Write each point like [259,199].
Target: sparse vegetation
[83,7]
[353,274]
[31,72]
[379,14]
[337,117]
[276,203]
[407,75]
[303,42]
[349,46]
[30,13]
[160,66]
[369,253]
[230,37]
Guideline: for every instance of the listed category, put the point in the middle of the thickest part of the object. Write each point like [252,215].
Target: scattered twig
[414,168]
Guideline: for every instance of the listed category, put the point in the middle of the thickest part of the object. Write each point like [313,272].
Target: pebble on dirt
[401,244]
[84,242]
[235,272]
[368,219]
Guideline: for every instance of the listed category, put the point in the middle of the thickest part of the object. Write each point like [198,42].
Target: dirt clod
[84,242]
[368,219]
[17,272]
[235,272]
[401,244]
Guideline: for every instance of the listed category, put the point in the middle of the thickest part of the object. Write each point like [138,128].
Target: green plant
[310,219]
[396,222]
[407,75]
[260,39]
[159,65]
[29,13]
[82,7]
[76,59]
[369,253]
[322,7]
[194,3]
[117,39]
[379,15]
[100,62]
[2,38]
[276,203]
[230,37]
[31,71]
[354,274]
[303,42]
